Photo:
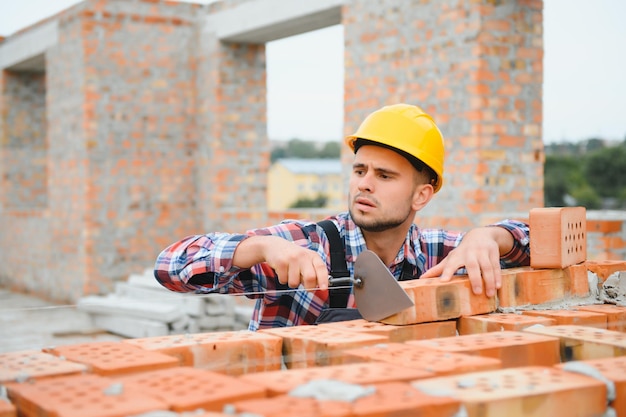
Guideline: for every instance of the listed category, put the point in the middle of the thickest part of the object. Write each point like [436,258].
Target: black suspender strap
[338,297]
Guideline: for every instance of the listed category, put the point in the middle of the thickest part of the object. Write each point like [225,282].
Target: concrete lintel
[262,21]
[25,51]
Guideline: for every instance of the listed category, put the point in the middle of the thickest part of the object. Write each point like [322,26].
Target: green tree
[562,175]
[318,202]
[586,196]
[297,148]
[330,150]
[605,170]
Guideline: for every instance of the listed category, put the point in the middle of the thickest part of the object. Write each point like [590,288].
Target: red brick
[399,333]
[613,369]
[7,409]
[281,382]
[604,269]
[386,399]
[34,364]
[496,322]
[288,406]
[583,342]
[615,315]
[187,389]
[604,226]
[437,362]
[511,348]
[306,346]
[578,281]
[80,396]
[582,318]
[232,352]
[527,286]
[113,358]
[521,392]
[558,236]
[436,300]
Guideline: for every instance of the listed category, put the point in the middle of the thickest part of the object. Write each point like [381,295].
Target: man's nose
[365,182]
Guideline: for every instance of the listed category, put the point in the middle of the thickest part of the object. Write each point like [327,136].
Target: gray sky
[584,71]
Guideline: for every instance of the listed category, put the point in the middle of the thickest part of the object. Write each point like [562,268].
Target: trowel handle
[344,281]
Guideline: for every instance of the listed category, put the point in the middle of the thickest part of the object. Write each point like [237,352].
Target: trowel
[376,292]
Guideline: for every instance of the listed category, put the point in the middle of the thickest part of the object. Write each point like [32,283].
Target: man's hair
[418,164]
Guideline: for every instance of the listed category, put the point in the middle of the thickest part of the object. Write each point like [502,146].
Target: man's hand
[294,265]
[479,252]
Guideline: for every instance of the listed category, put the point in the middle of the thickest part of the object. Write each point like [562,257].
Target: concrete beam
[26,51]
[262,21]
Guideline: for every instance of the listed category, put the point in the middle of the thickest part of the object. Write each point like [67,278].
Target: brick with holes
[522,392]
[496,322]
[613,369]
[582,318]
[558,236]
[396,333]
[437,362]
[281,382]
[228,352]
[306,346]
[188,389]
[80,396]
[114,358]
[511,348]
[35,364]
[377,400]
[583,342]
[615,315]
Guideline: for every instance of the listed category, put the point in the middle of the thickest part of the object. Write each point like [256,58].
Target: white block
[130,326]
[188,303]
[128,307]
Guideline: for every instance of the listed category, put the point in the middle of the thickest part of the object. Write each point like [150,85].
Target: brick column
[477,68]
[233,146]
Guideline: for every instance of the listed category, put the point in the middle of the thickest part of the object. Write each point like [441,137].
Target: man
[397,168]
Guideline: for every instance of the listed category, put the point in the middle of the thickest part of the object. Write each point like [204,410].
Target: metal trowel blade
[379,295]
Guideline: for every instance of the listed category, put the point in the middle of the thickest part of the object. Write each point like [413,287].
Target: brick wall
[477,67]
[153,129]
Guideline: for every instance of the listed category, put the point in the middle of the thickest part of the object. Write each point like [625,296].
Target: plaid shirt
[204,264]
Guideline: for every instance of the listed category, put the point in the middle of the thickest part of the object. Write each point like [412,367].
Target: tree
[330,150]
[305,202]
[562,175]
[605,170]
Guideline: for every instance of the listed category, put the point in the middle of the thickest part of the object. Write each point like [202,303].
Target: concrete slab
[27,322]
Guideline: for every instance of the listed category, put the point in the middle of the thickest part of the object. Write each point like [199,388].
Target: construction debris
[140,307]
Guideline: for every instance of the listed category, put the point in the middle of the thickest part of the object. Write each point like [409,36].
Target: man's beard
[378,225]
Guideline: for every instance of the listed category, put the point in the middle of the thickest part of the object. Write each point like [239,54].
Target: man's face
[382,186]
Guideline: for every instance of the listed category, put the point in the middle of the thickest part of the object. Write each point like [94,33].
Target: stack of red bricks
[452,354]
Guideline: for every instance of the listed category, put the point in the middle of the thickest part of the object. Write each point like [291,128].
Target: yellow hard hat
[409,129]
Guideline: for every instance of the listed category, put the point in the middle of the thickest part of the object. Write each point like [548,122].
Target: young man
[397,168]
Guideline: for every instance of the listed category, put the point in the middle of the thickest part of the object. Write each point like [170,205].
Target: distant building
[291,179]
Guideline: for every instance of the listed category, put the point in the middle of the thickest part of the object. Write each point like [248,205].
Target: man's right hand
[294,265]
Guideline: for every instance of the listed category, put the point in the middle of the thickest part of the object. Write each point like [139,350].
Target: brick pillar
[477,68]
[23,181]
[233,147]
[138,102]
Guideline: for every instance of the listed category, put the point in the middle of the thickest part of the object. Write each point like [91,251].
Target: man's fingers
[321,272]
[433,272]
[475,276]
[308,274]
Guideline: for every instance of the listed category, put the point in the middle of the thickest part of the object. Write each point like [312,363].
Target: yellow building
[291,179]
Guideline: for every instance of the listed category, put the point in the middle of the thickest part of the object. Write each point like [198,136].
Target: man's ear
[421,197]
